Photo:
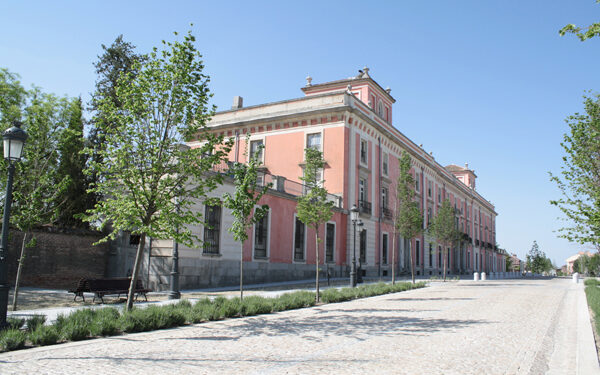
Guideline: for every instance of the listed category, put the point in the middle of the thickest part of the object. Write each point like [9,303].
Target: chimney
[238,102]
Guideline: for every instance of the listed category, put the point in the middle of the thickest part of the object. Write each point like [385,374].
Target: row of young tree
[536,260]
[588,265]
[132,172]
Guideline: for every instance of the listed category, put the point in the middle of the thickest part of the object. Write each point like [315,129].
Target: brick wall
[58,259]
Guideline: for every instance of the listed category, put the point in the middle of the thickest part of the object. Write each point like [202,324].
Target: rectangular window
[385,162]
[439,256]
[417,186]
[313,141]
[362,190]
[429,188]
[384,248]
[329,242]
[299,229]
[428,215]
[430,255]
[212,229]
[364,146]
[418,253]
[256,149]
[468,259]
[261,233]
[363,247]
[439,195]
[384,197]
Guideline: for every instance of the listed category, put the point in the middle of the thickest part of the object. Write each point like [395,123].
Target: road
[491,327]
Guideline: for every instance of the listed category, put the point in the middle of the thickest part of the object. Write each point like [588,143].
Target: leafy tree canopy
[579,180]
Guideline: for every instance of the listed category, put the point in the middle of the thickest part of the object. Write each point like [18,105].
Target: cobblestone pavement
[493,327]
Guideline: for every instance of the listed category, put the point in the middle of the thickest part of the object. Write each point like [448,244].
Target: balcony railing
[387,213]
[279,183]
[364,207]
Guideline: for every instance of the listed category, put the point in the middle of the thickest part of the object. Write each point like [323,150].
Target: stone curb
[587,356]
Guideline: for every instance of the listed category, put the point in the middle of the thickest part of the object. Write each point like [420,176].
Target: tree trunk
[18,279]
[445,260]
[394,259]
[317,263]
[136,270]
[412,260]
[242,271]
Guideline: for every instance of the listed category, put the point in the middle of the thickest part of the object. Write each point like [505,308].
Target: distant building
[517,265]
[571,260]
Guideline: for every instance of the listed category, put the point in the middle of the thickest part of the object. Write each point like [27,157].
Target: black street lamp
[174,293]
[355,222]
[14,139]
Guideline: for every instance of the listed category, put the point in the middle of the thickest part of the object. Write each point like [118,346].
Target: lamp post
[14,139]
[354,218]
[174,292]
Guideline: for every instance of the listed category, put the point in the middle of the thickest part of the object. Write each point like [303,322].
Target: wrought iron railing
[279,183]
[387,213]
[364,207]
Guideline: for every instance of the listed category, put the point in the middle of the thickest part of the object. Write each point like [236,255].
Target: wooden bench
[82,286]
[103,287]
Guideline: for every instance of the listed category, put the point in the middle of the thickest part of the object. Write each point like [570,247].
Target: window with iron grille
[384,248]
[430,255]
[329,242]
[212,229]
[299,229]
[363,246]
[363,151]
[384,166]
[261,235]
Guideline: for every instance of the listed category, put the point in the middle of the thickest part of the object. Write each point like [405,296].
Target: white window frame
[366,143]
[268,244]
[385,164]
[307,134]
[263,152]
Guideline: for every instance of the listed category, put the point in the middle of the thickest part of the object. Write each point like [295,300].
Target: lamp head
[354,213]
[14,140]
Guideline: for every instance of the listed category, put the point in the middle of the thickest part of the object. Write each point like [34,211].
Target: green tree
[243,202]
[594,265]
[143,169]
[443,228]
[13,98]
[117,60]
[38,185]
[584,33]
[580,176]
[75,200]
[537,262]
[409,220]
[509,263]
[313,207]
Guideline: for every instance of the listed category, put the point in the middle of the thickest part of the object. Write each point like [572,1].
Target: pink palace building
[350,121]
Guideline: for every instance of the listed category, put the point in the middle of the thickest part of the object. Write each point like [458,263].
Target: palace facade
[350,121]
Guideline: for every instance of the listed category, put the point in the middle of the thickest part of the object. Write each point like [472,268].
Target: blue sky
[484,82]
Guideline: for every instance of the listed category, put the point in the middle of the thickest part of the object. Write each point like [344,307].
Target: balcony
[387,213]
[364,207]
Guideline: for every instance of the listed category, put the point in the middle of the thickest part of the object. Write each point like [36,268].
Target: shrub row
[88,323]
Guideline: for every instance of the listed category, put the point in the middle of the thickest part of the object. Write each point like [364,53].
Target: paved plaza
[492,327]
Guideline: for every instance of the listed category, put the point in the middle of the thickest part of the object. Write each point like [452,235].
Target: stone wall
[58,259]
